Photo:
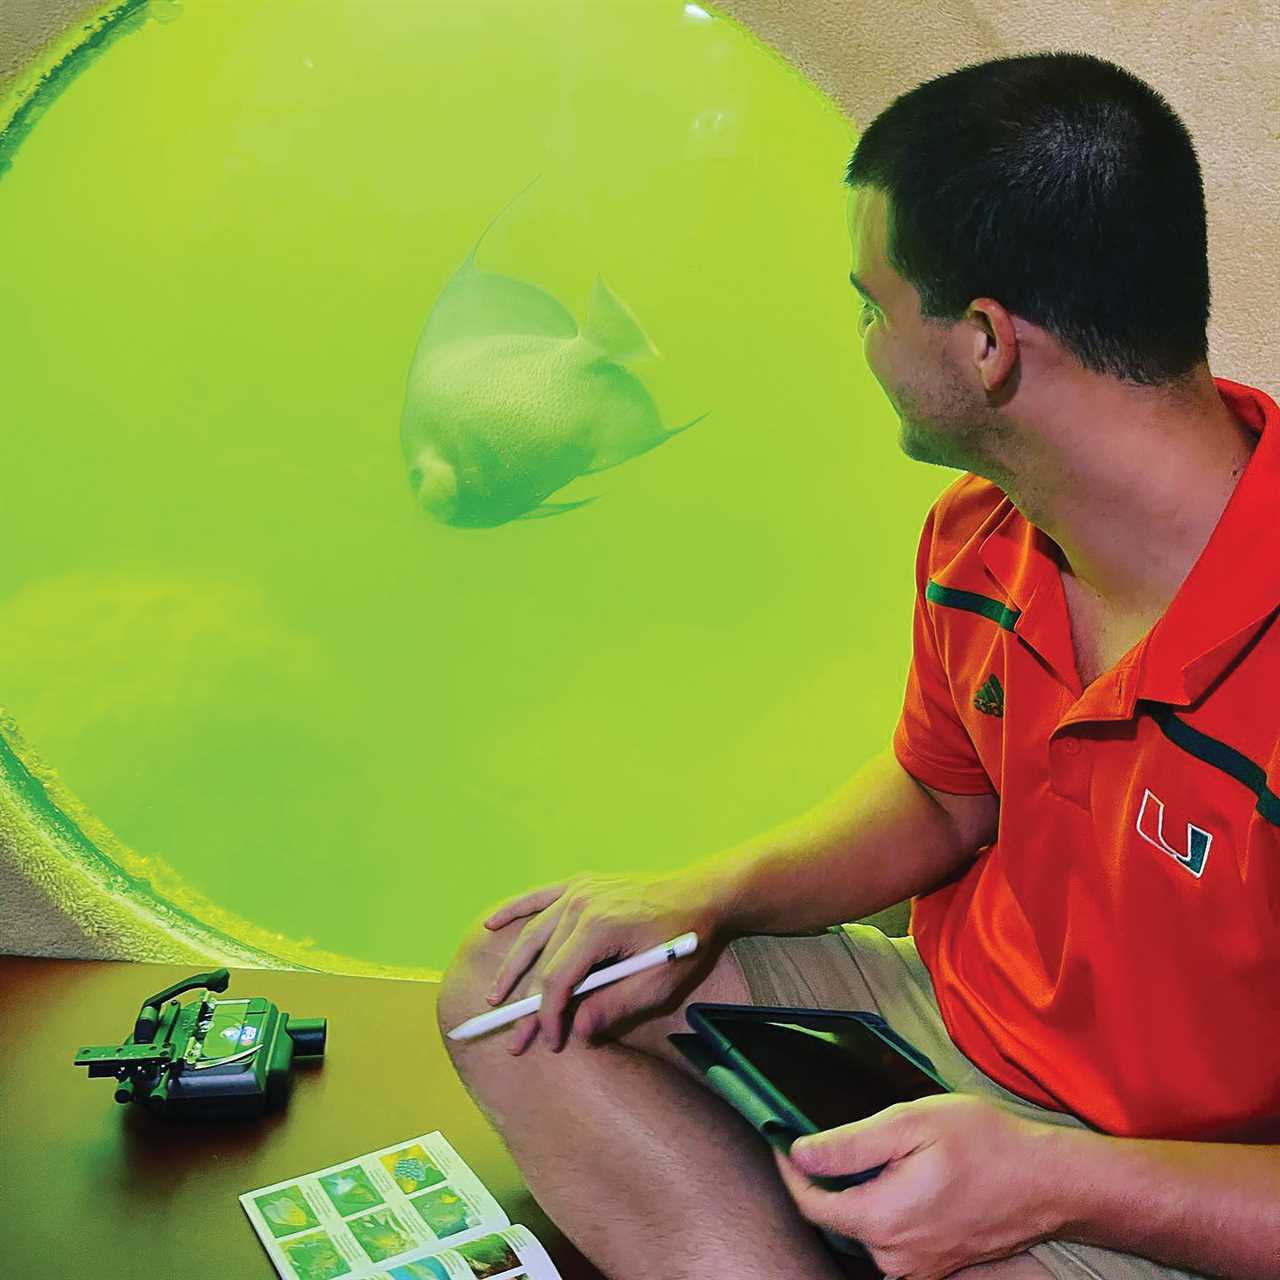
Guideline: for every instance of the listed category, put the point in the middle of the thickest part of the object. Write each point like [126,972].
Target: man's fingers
[587,1020]
[566,960]
[523,953]
[525,904]
[523,1034]
[812,1201]
[595,1013]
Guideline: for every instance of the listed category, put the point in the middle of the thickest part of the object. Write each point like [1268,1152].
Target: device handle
[148,1016]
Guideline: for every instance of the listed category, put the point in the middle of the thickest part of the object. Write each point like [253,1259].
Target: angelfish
[507,402]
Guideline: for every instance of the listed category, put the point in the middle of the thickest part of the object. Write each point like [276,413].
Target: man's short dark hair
[1065,188]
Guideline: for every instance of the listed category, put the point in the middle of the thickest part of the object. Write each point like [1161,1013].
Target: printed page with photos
[413,1211]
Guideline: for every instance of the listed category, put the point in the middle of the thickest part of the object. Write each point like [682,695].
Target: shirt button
[1072,747]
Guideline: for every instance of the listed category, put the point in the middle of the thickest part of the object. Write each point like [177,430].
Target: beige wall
[1217,61]
[26,26]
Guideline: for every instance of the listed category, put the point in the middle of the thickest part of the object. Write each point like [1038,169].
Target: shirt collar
[1233,586]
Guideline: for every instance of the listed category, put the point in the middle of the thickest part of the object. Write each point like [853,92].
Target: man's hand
[571,927]
[965,1182]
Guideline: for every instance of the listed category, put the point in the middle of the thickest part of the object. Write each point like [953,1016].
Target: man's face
[944,417]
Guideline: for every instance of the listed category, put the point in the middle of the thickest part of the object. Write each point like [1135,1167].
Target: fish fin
[635,453]
[612,327]
[609,463]
[553,509]
[693,422]
[479,304]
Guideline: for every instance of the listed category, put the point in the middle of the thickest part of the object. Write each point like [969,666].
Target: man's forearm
[1210,1207]
[879,839]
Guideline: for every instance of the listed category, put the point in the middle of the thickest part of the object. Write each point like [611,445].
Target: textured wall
[26,26]
[1217,61]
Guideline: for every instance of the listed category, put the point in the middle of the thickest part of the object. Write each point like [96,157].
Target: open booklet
[414,1211]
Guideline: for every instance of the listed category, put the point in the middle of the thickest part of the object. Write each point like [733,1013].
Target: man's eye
[867,312]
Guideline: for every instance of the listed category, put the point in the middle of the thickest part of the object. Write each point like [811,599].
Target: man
[1095,600]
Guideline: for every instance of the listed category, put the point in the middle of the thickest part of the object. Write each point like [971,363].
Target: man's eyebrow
[857,284]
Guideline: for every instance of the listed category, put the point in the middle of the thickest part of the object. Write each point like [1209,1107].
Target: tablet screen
[834,1069]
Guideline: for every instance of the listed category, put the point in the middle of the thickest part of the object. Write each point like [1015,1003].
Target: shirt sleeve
[930,741]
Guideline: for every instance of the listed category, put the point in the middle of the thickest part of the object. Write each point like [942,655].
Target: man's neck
[1133,498]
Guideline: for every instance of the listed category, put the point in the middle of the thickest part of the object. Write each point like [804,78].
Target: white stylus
[684,945]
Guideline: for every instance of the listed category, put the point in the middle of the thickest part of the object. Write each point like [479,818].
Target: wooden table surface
[92,1188]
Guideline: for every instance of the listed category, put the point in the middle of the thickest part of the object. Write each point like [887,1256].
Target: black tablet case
[777,1118]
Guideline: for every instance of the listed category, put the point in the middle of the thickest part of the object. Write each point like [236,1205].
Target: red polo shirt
[1116,952]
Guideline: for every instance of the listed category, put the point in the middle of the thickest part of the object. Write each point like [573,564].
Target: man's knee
[466,983]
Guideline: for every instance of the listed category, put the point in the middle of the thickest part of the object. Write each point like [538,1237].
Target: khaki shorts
[856,966]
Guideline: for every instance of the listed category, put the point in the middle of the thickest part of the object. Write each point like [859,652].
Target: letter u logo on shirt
[1151,829]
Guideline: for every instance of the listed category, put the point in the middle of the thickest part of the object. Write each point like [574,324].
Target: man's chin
[913,442]
[922,446]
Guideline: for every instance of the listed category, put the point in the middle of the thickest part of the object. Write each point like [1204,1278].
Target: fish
[507,401]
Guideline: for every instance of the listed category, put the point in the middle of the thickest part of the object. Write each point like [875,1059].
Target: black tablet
[793,1071]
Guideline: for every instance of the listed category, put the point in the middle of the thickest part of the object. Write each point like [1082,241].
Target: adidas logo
[990,698]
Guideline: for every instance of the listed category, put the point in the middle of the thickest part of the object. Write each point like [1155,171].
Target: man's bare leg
[645,1169]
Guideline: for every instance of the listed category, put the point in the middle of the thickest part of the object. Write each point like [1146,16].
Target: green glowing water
[227,622]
